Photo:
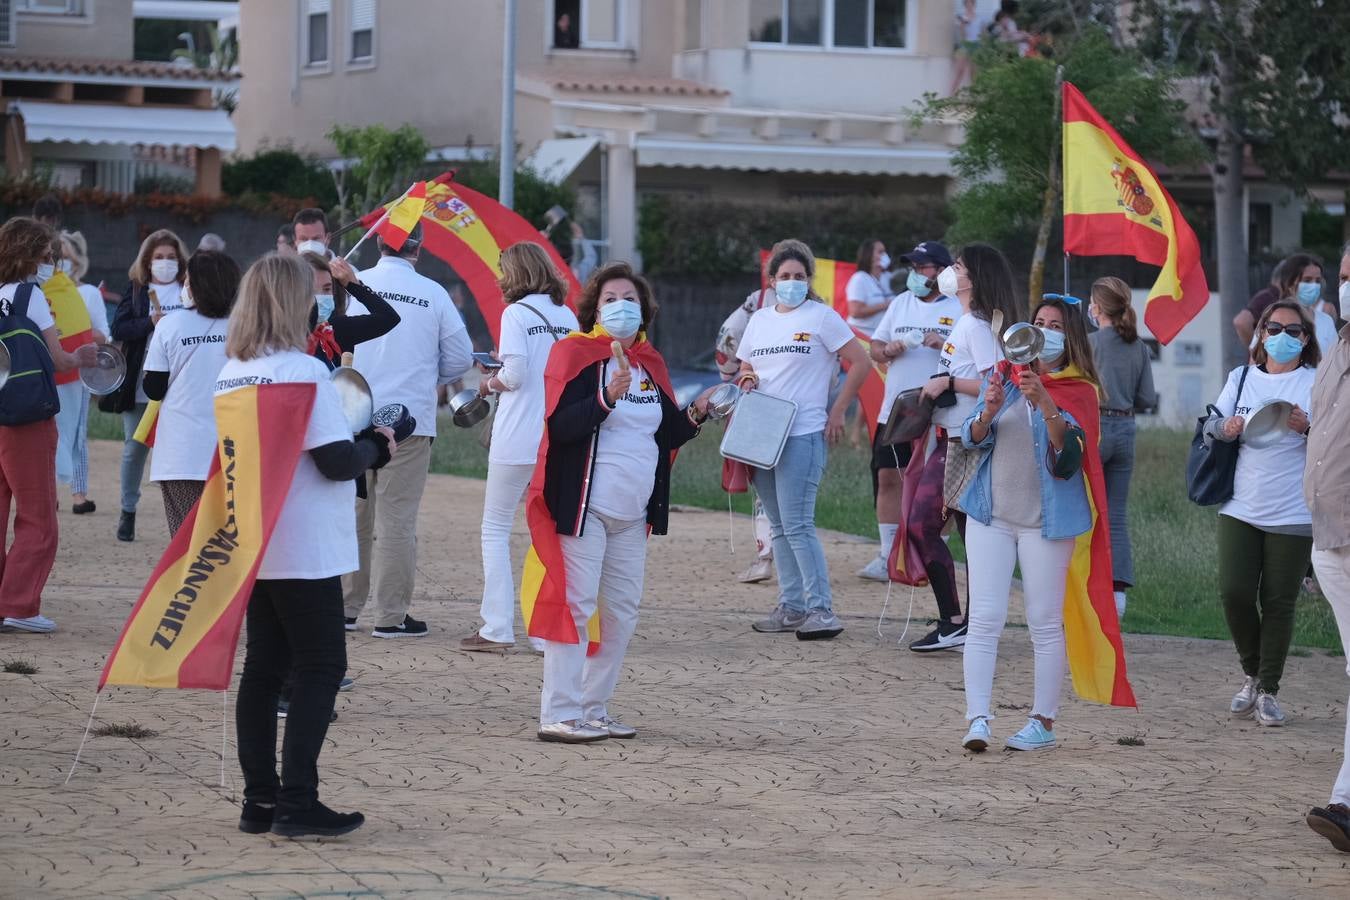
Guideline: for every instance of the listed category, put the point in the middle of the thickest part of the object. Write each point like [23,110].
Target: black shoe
[126,527]
[409,627]
[80,509]
[317,820]
[284,707]
[945,636]
[1332,823]
[256,819]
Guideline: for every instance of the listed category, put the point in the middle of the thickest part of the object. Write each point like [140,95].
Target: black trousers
[293,626]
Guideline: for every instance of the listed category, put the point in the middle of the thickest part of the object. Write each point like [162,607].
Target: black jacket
[131,326]
[573,436]
[349,330]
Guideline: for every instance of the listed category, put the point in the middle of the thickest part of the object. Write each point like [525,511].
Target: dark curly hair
[24,243]
[590,297]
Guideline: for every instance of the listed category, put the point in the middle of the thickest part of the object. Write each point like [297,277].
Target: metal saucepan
[1267,424]
[4,365]
[358,405]
[722,401]
[467,409]
[107,373]
[1022,343]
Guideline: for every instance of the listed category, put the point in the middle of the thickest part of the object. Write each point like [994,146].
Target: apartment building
[77,107]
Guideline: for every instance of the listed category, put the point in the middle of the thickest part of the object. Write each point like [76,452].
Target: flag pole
[506,185]
[1063,165]
[384,218]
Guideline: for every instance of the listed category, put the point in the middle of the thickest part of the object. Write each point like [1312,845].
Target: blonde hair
[139,273]
[76,249]
[528,269]
[272,312]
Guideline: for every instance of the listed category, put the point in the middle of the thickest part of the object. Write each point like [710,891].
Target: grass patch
[128,730]
[1133,740]
[19,667]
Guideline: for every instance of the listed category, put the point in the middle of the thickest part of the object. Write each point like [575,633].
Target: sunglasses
[1294,331]
[1067,298]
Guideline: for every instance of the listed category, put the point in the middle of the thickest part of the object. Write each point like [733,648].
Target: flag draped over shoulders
[1091,628]
[71,317]
[184,628]
[543,583]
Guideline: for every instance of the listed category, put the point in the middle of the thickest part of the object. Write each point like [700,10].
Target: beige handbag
[962,462]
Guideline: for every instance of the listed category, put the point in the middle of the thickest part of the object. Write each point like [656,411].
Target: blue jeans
[788,492]
[134,455]
[1117,449]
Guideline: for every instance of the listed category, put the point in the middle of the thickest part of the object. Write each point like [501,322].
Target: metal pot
[107,373]
[1267,424]
[722,401]
[467,409]
[358,405]
[1022,343]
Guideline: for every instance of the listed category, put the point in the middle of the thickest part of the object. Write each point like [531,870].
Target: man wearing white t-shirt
[429,346]
[908,340]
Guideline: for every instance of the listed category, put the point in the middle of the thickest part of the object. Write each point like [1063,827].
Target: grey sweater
[1125,369]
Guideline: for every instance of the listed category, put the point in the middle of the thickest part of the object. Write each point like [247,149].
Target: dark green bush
[279,171]
[709,236]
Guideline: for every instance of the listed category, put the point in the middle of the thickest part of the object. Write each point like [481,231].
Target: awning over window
[556,159]
[851,160]
[79,123]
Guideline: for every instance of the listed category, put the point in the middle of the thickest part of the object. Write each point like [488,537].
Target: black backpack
[30,393]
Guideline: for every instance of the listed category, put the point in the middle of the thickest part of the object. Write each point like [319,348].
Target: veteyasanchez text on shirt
[191,348]
[796,357]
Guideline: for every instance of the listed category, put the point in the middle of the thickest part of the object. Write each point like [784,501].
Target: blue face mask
[621,318]
[325,304]
[791,293]
[918,285]
[1054,345]
[1282,348]
[1309,292]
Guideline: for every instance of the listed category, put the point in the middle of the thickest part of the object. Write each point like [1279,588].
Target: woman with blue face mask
[1265,530]
[1302,282]
[337,325]
[792,350]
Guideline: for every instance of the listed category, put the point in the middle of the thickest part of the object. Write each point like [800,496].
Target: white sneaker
[876,570]
[977,739]
[32,624]
[1244,701]
[1268,711]
[760,570]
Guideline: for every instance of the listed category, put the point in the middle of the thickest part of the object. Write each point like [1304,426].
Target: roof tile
[127,68]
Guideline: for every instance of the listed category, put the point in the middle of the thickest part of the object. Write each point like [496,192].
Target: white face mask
[885,261]
[68,267]
[318,248]
[44,273]
[1345,299]
[947,283]
[164,270]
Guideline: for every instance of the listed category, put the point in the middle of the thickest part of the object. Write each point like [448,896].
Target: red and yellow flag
[72,318]
[1114,205]
[468,231]
[183,630]
[148,427]
[1091,628]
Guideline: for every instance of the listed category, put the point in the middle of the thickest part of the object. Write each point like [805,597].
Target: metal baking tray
[759,429]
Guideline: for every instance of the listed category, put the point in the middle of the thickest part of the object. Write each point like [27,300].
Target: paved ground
[765,766]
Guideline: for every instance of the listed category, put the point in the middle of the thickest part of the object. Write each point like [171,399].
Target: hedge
[712,237]
[18,196]
[282,171]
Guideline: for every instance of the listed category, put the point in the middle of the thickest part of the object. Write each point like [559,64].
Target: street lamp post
[506,186]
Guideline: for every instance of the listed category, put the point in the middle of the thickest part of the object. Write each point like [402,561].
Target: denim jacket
[1064,505]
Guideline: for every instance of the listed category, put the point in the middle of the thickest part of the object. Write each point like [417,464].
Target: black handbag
[1211,465]
[911,415]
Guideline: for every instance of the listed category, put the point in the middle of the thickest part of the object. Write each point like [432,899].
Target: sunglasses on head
[1294,331]
[1066,298]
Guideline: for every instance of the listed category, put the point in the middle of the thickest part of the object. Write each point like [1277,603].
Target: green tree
[534,195]
[1010,160]
[1276,76]
[376,165]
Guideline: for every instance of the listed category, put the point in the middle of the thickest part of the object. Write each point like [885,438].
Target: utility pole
[506,185]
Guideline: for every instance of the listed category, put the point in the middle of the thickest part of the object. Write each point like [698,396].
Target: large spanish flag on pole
[72,318]
[1091,628]
[469,231]
[183,630]
[1114,206]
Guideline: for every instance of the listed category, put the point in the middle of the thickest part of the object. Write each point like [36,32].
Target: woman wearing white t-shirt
[185,355]
[867,296]
[155,290]
[72,422]
[1265,530]
[982,281]
[534,320]
[791,350]
[1302,281]
[295,611]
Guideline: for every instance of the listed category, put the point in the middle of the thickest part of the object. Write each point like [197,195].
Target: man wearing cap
[429,346]
[1326,487]
[908,340]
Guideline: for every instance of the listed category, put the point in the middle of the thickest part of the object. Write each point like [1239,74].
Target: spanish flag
[183,630]
[543,584]
[146,428]
[468,231]
[72,318]
[1091,628]
[1114,205]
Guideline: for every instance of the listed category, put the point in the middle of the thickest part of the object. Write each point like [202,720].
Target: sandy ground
[764,767]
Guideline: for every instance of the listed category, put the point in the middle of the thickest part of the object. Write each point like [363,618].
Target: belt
[1117,413]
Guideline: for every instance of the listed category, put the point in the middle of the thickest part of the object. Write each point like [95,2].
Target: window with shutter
[7,10]
[363,30]
[318,15]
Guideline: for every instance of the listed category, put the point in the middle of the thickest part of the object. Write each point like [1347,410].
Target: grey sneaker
[615,728]
[820,625]
[1244,701]
[573,732]
[1268,711]
[780,620]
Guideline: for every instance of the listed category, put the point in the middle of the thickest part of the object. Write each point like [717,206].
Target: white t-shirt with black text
[315,535]
[795,355]
[626,451]
[38,309]
[970,352]
[864,288]
[191,348]
[169,296]
[519,422]
[907,315]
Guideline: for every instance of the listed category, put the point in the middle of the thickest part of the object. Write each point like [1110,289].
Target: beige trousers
[387,518]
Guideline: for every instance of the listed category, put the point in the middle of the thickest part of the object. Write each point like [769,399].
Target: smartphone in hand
[487,361]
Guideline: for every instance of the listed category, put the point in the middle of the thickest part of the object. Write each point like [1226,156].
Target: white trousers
[506,486]
[1333,575]
[608,560]
[992,551]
